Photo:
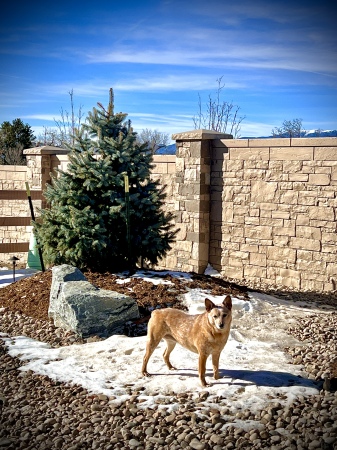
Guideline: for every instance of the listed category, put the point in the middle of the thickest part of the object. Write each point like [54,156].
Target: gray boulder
[77,305]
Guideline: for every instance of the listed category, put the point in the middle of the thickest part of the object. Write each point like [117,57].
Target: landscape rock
[76,305]
[61,275]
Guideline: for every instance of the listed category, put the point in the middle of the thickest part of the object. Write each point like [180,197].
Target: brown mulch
[30,296]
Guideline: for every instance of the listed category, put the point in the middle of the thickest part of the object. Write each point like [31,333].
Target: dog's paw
[146,374]
[173,368]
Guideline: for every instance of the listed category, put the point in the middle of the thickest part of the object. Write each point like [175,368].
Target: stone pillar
[39,166]
[193,171]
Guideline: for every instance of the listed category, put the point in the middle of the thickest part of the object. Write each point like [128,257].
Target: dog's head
[219,315]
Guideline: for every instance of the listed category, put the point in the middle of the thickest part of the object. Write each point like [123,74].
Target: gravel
[39,413]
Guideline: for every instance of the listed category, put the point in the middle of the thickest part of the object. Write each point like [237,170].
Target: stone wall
[15,218]
[14,212]
[261,210]
[271,204]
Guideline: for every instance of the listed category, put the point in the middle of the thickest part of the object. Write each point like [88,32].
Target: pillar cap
[199,135]
[46,150]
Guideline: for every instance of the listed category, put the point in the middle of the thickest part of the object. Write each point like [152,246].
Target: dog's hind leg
[170,344]
[151,345]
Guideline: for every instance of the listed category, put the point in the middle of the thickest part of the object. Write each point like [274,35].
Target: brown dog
[205,334]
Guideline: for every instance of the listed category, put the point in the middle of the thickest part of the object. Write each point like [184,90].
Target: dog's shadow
[266,378]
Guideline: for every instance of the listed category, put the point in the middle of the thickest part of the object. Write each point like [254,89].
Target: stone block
[308,232]
[312,270]
[329,248]
[272,142]
[289,198]
[280,215]
[334,173]
[180,164]
[234,165]
[190,174]
[258,232]
[290,278]
[302,219]
[318,142]
[77,305]
[292,153]
[230,143]
[319,179]
[304,255]
[184,246]
[233,272]
[326,153]
[306,198]
[332,270]
[254,272]
[283,254]
[329,238]
[313,285]
[322,213]
[298,177]
[305,244]
[249,154]
[171,262]
[181,235]
[258,259]
[291,167]
[263,191]
[192,205]
[199,135]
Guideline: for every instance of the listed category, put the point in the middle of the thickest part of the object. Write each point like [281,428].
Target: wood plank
[14,247]
[20,195]
[15,221]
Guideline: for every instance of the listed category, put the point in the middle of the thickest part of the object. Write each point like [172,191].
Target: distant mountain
[320,133]
[171,149]
[168,150]
[304,134]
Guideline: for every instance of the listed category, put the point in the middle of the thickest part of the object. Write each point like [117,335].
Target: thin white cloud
[225,49]
[45,117]
[190,82]
[99,87]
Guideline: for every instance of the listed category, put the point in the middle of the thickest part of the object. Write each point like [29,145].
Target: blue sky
[278,60]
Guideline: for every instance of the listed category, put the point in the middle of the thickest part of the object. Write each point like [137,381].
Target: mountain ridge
[171,149]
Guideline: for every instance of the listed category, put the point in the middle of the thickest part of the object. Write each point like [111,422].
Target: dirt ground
[30,296]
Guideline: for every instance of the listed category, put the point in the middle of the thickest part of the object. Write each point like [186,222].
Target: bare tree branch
[153,138]
[219,114]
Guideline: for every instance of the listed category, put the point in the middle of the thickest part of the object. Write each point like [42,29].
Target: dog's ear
[209,304]
[227,302]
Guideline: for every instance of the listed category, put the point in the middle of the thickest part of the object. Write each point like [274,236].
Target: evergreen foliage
[14,138]
[86,222]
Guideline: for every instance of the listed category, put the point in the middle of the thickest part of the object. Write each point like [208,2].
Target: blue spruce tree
[86,222]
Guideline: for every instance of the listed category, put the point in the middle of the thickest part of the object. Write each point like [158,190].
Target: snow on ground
[7,275]
[254,368]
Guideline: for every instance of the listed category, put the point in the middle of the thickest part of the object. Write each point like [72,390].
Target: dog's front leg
[215,362]
[202,369]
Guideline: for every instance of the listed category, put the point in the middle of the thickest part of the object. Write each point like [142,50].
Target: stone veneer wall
[15,219]
[261,210]
[272,208]
[12,178]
